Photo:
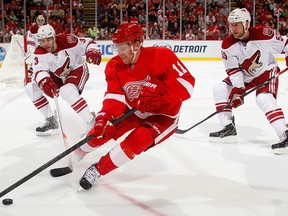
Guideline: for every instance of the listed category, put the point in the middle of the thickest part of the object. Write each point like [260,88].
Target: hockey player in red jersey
[152,79]
[247,55]
[59,68]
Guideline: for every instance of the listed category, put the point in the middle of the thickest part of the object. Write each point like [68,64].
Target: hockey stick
[64,137]
[60,156]
[180,131]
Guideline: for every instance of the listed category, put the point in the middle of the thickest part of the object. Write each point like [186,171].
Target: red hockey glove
[236,97]
[103,126]
[93,56]
[150,96]
[48,86]
[103,129]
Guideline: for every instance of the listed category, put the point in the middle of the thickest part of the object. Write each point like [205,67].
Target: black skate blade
[61,171]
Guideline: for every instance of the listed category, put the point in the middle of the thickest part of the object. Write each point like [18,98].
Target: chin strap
[135,52]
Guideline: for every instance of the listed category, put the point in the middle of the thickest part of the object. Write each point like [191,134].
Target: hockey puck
[7,201]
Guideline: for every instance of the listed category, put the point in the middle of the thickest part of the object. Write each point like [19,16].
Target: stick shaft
[60,119]
[180,131]
[60,156]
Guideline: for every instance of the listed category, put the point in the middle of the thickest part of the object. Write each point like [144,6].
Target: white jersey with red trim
[67,57]
[245,60]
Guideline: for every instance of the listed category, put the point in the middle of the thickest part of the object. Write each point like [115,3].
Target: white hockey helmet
[45,31]
[240,15]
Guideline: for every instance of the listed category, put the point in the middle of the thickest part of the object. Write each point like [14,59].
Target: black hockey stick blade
[61,171]
[60,156]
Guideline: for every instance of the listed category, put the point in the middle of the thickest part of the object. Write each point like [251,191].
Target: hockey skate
[281,147]
[51,127]
[227,135]
[89,178]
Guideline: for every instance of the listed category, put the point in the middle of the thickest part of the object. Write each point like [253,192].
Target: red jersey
[125,81]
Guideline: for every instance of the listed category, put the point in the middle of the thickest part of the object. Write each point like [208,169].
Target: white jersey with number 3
[67,57]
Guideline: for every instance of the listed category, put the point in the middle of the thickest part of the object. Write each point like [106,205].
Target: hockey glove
[236,97]
[48,86]
[103,127]
[150,97]
[93,56]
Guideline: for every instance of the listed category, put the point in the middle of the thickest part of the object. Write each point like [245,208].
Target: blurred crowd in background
[195,25]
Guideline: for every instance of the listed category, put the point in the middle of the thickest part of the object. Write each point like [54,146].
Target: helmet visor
[120,48]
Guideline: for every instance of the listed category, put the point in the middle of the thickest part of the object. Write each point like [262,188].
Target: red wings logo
[133,89]
[252,63]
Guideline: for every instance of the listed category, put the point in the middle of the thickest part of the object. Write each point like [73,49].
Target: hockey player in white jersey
[247,54]
[50,126]
[59,68]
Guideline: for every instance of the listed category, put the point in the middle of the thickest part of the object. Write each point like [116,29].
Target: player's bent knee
[68,91]
[266,102]
[221,91]
[137,141]
[33,92]
[219,88]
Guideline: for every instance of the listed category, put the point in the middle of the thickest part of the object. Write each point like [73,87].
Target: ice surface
[186,175]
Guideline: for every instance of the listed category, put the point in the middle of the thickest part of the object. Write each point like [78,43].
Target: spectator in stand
[91,32]
[174,27]
[124,6]
[11,25]
[114,24]
[58,11]
[12,16]
[284,13]
[154,35]
[272,5]
[141,17]
[224,10]
[210,18]
[38,12]
[168,35]
[190,35]
[199,36]
[58,25]
[201,22]
[162,18]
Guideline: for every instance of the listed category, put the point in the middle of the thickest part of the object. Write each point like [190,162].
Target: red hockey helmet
[128,32]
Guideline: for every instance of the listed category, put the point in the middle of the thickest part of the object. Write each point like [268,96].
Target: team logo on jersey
[71,39]
[65,69]
[268,31]
[133,89]
[252,63]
